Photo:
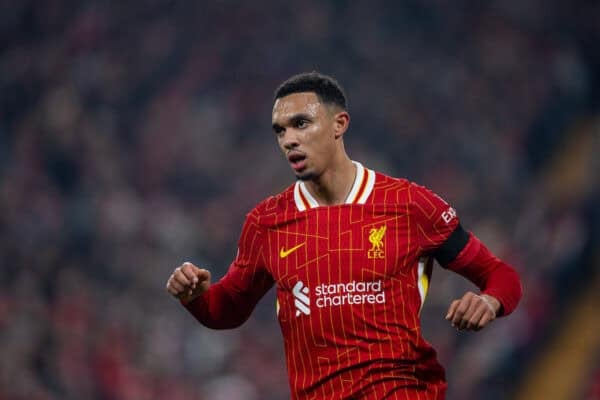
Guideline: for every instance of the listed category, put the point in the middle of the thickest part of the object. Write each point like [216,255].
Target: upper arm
[248,277]
[435,223]
[440,234]
[230,301]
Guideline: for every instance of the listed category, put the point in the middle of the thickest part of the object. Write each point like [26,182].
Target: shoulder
[402,191]
[387,182]
[428,204]
[389,189]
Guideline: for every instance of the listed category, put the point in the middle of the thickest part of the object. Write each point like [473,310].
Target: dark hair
[327,89]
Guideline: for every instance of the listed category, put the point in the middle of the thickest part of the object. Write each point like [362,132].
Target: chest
[331,245]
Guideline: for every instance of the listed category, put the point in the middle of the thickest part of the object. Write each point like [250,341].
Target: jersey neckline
[362,188]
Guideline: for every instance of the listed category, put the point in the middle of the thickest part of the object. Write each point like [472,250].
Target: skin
[313,131]
[303,125]
[473,312]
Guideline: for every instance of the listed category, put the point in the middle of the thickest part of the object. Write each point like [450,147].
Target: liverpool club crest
[376,239]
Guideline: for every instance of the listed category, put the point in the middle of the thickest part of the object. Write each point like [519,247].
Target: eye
[277,129]
[301,123]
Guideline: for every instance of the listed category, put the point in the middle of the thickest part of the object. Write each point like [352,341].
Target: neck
[332,187]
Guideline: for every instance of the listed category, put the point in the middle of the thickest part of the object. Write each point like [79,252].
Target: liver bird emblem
[376,239]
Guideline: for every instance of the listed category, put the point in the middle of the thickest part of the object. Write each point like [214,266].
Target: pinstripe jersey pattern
[351,280]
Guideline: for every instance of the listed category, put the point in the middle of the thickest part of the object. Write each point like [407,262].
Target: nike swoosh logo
[284,253]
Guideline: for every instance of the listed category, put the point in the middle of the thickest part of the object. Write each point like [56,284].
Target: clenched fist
[188,282]
[473,312]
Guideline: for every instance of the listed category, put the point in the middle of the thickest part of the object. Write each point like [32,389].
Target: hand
[188,282]
[473,312]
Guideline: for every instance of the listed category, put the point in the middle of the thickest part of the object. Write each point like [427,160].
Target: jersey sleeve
[492,275]
[229,302]
[433,218]
[440,234]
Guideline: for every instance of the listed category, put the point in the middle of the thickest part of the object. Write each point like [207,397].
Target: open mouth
[297,160]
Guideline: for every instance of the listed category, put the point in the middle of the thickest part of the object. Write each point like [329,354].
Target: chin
[306,176]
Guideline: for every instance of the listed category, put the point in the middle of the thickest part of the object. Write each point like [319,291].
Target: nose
[289,139]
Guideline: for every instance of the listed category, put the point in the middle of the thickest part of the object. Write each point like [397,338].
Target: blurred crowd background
[135,135]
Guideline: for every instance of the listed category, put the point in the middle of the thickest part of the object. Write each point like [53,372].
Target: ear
[341,121]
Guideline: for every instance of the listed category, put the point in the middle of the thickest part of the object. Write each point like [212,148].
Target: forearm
[219,309]
[493,276]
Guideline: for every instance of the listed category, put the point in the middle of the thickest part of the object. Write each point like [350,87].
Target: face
[308,132]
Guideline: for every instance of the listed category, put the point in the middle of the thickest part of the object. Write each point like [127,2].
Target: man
[350,252]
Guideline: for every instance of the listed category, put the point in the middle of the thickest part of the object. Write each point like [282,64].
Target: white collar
[360,192]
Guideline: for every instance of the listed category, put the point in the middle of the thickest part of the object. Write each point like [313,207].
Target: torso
[351,280]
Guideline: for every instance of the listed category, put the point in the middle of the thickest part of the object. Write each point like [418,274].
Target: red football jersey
[351,280]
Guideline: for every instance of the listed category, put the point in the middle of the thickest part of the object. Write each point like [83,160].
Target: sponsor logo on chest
[340,294]
[337,294]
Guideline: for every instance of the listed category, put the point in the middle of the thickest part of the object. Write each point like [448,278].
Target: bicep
[230,301]
[433,220]
[248,276]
